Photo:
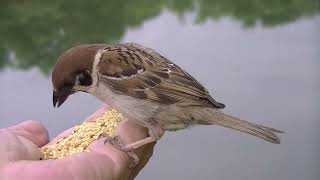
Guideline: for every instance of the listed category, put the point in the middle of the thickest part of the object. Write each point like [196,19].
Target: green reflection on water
[34,32]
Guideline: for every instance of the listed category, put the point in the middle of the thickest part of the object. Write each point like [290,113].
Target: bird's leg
[155,133]
[117,143]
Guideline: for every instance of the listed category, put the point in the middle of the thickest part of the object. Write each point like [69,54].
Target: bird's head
[73,72]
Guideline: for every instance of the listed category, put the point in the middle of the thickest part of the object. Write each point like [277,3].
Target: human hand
[20,155]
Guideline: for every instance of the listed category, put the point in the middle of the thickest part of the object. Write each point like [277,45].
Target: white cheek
[94,84]
[94,74]
[94,70]
[80,88]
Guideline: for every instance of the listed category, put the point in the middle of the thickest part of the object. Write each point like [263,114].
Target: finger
[14,148]
[144,153]
[121,159]
[129,132]
[33,131]
[118,157]
[81,166]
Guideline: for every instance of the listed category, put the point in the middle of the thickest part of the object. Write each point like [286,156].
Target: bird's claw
[117,143]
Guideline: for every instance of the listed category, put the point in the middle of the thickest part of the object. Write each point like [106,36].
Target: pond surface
[259,58]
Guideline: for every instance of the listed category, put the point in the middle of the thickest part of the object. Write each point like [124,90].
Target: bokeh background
[259,57]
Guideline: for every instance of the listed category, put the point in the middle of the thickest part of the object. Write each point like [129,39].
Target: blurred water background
[259,57]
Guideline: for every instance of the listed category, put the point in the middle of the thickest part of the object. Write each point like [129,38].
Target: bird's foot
[117,143]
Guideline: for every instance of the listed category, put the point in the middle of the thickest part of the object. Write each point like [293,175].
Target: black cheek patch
[85,79]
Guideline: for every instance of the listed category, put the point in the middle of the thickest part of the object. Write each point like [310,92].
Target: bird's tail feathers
[219,118]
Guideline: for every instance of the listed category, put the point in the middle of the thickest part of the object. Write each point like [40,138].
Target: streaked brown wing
[140,72]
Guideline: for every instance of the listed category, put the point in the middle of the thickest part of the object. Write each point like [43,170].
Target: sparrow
[146,87]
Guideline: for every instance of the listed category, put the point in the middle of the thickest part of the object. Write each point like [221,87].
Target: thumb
[21,142]
[32,130]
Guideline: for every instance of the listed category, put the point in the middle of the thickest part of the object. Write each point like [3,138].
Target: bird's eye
[84,79]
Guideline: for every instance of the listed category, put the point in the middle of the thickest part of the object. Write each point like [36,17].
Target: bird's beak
[60,97]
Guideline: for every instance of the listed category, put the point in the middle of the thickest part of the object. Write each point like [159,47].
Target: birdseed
[82,136]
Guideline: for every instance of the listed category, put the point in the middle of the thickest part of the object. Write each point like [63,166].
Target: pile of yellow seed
[82,136]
